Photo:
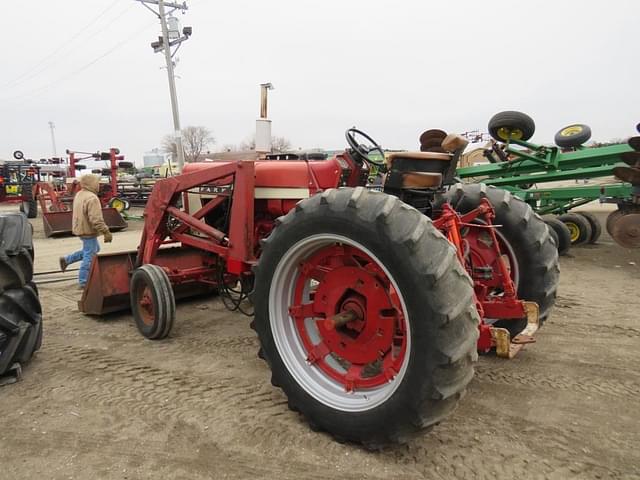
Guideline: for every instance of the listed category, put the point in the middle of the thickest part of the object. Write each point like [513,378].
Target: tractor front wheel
[365,316]
[152,301]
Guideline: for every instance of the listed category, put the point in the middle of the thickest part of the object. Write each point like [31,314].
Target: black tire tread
[583,224]
[155,278]
[522,224]
[561,231]
[596,226]
[450,309]
[512,119]
[574,140]
[20,310]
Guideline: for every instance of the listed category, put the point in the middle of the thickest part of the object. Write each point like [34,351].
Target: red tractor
[370,306]
[56,198]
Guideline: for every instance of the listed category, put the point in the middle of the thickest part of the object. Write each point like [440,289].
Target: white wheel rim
[293,353]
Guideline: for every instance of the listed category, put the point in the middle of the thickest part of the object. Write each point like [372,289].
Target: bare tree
[195,141]
[168,145]
[248,144]
[278,144]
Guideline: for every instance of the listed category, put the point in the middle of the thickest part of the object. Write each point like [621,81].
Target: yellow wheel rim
[118,205]
[570,131]
[510,133]
[574,231]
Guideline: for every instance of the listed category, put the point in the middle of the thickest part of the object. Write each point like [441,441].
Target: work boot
[63,264]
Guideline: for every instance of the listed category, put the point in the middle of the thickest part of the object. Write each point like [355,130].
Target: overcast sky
[392,68]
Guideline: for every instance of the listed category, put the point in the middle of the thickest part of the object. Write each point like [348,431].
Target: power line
[38,91]
[36,68]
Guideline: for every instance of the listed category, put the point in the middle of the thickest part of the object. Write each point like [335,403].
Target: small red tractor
[56,198]
[370,306]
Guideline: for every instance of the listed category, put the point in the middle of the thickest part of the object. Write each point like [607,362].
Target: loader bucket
[107,289]
[60,223]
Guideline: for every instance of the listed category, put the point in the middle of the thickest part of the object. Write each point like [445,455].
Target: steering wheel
[364,150]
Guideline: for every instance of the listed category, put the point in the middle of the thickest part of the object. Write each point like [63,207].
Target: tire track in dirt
[149,391]
[547,380]
[164,396]
[209,344]
[460,449]
[589,329]
[204,456]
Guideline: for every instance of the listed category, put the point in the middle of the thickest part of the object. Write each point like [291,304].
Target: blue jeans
[90,247]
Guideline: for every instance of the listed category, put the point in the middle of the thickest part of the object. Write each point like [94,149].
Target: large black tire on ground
[20,311]
[527,235]
[29,206]
[20,326]
[438,296]
[511,125]
[579,227]
[596,227]
[561,232]
[16,251]
[156,321]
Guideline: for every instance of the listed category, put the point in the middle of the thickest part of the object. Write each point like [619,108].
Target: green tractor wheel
[573,136]
[510,125]
[596,228]
[579,228]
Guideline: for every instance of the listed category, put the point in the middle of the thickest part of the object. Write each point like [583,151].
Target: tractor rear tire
[16,251]
[414,267]
[510,125]
[596,227]
[20,310]
[20,326]
[152,301]
[579,227]
[529,238]
[561,232]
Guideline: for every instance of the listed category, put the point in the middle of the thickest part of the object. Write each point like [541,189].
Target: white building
[154,158]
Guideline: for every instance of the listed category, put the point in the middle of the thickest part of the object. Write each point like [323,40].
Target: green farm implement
[515,164]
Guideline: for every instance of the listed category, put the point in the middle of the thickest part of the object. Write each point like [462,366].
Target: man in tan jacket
[88,224]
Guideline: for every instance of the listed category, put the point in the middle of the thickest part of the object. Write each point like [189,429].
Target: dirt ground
[99,401]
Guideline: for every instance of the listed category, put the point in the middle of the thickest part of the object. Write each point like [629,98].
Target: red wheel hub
[145,303]
[349,317]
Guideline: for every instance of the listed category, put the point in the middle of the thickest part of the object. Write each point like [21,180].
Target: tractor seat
[423,170]
[421,180]
[417,156]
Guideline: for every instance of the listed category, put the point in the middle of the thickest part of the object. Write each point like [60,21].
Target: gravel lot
[99,401]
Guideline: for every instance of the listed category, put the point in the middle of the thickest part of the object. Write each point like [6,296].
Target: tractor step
[507,347]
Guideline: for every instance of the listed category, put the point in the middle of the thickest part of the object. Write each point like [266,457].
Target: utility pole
[53,139]
[171,38]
